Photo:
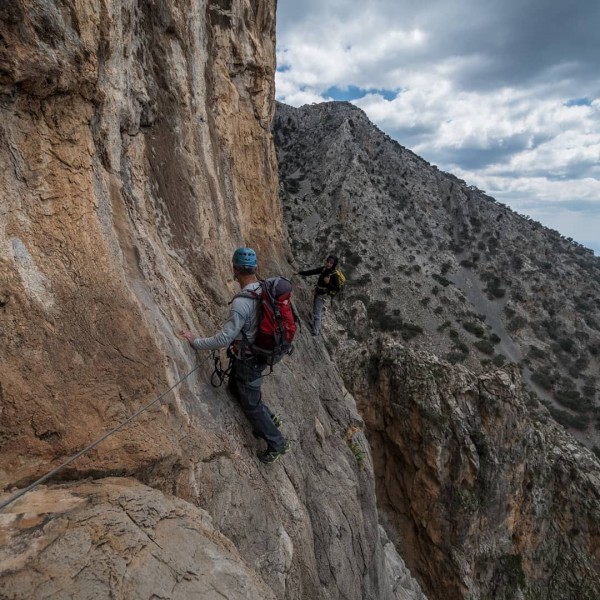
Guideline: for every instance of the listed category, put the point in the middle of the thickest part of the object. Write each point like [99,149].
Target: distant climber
[246,375]
[329,284]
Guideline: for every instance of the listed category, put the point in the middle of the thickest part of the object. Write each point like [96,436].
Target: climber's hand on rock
[187,334]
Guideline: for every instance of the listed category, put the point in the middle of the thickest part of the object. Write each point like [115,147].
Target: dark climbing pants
[245,381]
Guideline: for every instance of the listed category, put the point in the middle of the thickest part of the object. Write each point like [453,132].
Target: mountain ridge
[461,274]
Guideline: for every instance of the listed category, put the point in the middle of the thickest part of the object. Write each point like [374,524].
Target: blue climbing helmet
[244,257]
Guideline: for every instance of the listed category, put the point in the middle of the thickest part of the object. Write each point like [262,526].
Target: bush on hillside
[474,328]
[441,279]
[516,323]
[535,352]
[572,399]
[544,379]
[499,360]
[456,357]
[589,391]
[566,419]
[566,344]
[484,346]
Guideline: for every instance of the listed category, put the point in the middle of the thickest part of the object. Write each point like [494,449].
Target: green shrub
[535,352]
[353,259]
[441,280]
[474,328]
[381,319]
[292,186]
[516,323]
[566,419]
[460,346]
[499,360]
[410,330]
[517,262]
[456,357]
[572,399]
[484,346]
[566,344]
[589,391]
[544,379]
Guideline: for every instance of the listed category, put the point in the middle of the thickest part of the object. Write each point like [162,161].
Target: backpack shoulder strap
[252,294]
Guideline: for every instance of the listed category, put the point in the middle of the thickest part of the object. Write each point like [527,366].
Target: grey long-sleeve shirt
[242,317]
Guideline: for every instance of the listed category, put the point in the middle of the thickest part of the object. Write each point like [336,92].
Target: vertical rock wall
[133,137]
[486,502]
[136,155]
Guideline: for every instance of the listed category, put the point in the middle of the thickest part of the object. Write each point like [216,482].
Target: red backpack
[276,320]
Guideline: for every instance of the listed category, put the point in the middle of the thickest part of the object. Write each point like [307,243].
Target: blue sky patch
[352,92]
[579,102]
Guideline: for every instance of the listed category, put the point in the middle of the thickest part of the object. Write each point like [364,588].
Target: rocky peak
[485,495]
[439,262]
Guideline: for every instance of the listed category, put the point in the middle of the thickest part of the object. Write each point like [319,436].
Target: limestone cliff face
[133,166]
[136,155]
[489,498]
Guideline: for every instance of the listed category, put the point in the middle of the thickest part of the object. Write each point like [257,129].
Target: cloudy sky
[503,93]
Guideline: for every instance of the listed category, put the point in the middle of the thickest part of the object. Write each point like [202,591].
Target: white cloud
[480,90]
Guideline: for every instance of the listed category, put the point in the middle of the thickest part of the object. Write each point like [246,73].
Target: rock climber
[328,284]
[245,377]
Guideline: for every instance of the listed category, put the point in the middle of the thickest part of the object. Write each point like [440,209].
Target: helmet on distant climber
[244,257]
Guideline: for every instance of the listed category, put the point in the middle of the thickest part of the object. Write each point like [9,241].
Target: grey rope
[94,444]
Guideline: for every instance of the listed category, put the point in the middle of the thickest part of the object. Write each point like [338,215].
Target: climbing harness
[219,373]
[94,444]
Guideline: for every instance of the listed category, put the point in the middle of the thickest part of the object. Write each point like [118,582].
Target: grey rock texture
[483,498]
[136,154]
[439,262]
[485,495]
[117,538]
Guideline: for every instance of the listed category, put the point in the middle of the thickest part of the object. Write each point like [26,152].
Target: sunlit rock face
[136,155]
[135,160]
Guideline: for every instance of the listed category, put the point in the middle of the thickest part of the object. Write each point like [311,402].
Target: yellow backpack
[342,281]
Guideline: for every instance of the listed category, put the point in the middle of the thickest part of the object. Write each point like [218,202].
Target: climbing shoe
[271,456]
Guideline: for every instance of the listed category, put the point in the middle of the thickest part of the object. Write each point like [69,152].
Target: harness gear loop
[219,374]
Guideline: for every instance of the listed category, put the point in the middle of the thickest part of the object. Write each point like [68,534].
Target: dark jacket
[322,288]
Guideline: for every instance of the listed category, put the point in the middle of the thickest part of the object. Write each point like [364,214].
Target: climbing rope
[94,444]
